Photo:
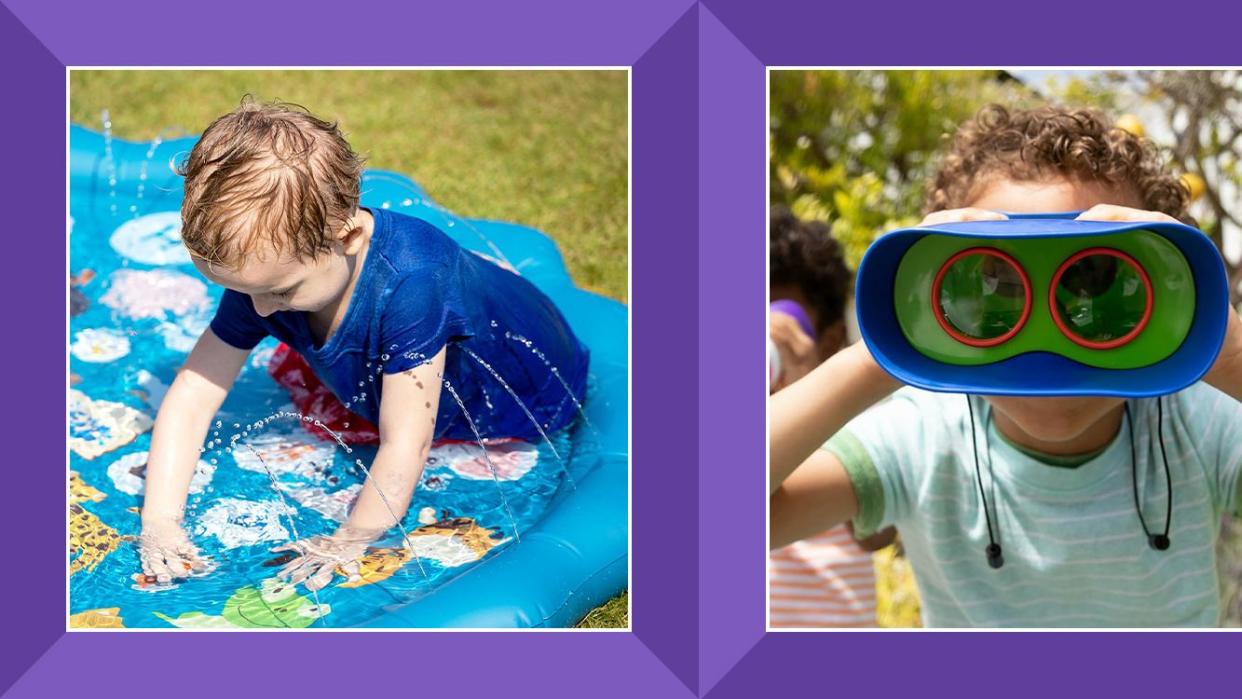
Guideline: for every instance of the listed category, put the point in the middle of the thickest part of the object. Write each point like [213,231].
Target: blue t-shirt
[418,292]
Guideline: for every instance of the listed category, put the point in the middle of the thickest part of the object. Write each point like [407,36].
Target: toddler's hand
[318,557]
[167,553]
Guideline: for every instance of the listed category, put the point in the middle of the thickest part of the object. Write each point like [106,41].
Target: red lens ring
[954,332]
[1110,344]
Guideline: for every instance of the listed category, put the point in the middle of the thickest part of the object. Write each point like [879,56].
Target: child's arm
[407,423]
[804,415]
[181,425]
[810,489]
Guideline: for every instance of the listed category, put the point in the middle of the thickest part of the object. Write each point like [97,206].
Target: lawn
[547,149]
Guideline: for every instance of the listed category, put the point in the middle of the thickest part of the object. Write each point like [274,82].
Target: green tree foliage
[854,148]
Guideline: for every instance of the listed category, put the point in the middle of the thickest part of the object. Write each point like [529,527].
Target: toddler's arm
[407,425]
[182,422]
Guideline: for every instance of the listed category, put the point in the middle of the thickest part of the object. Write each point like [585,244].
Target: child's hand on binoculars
[1112,212]
[1226,372]
[937,218]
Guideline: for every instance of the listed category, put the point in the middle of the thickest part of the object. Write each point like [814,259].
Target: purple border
[37,40]
[739,37]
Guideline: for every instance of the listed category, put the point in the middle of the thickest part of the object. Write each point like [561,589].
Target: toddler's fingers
[352,569]
[321,578]
[161,570]
[303,572]
[144,559]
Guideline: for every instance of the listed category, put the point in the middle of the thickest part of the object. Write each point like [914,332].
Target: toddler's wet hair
[267,172]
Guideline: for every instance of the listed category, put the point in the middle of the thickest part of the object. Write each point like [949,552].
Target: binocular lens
[982,296]
[1101,298]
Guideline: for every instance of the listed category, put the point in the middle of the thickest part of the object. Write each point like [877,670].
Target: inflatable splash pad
[502,534]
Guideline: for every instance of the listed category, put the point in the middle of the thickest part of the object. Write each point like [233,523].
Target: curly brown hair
[1033,144]
[803,254]
[267,171]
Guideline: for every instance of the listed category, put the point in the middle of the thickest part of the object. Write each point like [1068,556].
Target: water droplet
[347,425]
[494,325]
[385,357]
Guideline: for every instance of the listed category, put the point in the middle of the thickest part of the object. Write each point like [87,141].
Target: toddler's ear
[352,235]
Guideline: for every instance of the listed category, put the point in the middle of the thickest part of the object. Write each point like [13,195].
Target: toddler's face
[280,283]
[1065,418]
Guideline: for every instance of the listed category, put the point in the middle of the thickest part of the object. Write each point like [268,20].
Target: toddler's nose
[263,306]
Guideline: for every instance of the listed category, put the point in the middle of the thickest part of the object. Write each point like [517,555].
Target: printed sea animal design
[150,389]
[234,522]
[154,293]
[450,543]
[510,458]
[129,474]
[182,334]
[99,345]
[333,505]
[79,491]
[89,539]
[295,453]
[99,426]
[107,618]
[78,301]
[153,239]
[273,605]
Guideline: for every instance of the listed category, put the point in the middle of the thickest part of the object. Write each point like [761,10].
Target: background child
[1062,496]
[384,307]
[828,579]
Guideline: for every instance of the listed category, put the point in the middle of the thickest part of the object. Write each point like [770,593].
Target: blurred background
[546,149]
[853,149]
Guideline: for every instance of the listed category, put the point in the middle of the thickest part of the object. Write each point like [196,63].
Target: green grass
[613,614]
[547,149]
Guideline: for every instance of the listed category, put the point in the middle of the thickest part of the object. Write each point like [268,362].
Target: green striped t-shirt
[1075,553]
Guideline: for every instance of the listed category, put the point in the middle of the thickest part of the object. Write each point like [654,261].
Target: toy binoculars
[1044,305]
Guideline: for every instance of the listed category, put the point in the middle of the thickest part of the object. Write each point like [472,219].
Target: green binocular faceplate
[1120,301]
